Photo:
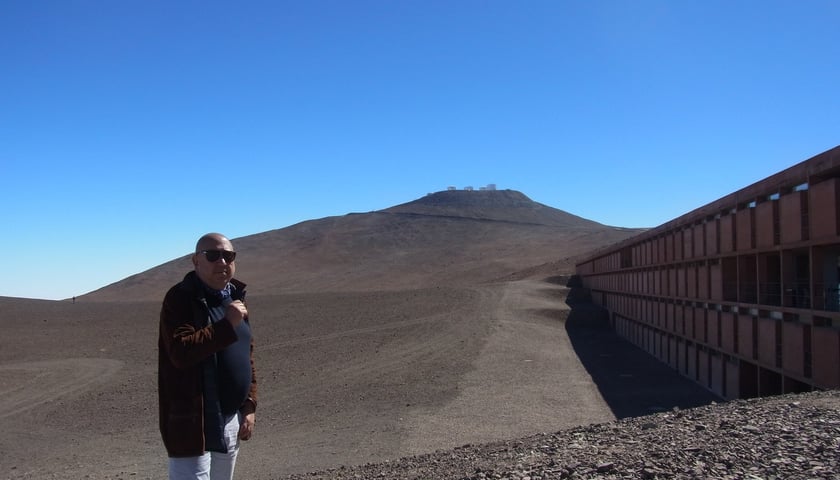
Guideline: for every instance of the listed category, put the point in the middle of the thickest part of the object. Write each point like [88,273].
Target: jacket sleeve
[186,344]
[250,405]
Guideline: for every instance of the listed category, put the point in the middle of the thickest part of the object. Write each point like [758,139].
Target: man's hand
[236,311]
[247,427]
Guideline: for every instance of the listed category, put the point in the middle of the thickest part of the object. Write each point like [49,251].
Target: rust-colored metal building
[740,295]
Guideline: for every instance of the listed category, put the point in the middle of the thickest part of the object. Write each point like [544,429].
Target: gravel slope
[785,437]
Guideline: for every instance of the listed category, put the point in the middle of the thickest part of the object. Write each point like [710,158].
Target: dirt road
[525,379]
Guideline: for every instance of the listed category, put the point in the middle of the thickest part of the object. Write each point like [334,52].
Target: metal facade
[741,295]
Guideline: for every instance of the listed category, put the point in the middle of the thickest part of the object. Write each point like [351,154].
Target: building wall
[741,295]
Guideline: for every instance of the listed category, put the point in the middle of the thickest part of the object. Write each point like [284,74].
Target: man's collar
[223,293]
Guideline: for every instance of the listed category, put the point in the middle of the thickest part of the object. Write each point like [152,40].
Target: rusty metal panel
[711,230]
[745,336]
[703,282]
[672,353]
[691,281]
[727,331]
[689,322]
[790,216]
[713,327]
[669,247]
[743,229]
[703,374]
[727,227]
[826,357]
[688,243]
[767,341]
[716,375]
[691,361]
[715,282]
[678,245]
[699,324]
[655,283]
[732,380]
[681,292]
[793,357]
[699,231]
[822,204]
[765,228]
[670,318]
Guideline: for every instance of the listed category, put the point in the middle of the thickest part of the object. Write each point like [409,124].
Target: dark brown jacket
[186,338]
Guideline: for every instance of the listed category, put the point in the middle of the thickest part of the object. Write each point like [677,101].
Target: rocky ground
[393,385]
[785,437]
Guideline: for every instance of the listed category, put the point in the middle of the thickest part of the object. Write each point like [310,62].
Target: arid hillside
[445,238]
[425,326]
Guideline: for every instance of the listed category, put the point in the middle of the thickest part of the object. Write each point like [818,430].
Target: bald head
[209,241]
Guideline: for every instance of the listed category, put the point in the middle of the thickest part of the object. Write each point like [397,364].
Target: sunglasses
[215,255]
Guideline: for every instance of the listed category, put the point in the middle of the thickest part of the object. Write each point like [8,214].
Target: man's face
[215,274]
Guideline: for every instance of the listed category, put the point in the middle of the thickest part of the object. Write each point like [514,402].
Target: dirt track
[526,378]
[31,385]
[345,379]
[434,369]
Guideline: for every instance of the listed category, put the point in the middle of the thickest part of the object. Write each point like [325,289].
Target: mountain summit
[499,205]
[445,238]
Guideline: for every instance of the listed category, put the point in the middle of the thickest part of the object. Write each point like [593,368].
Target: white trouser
[211,465]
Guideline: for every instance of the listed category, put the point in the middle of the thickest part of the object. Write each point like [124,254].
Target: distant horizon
[451,188]
[130,129]
[240,237]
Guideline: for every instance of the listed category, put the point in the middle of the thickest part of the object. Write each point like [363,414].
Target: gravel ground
[794,436]
[390,384]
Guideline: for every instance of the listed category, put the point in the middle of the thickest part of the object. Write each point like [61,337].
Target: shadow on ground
[631,381]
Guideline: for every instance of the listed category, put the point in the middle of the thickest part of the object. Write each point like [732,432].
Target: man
[207,386]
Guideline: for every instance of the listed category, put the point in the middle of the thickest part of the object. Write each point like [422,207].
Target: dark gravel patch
[795,436]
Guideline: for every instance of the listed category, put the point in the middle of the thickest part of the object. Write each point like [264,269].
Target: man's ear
[194,260]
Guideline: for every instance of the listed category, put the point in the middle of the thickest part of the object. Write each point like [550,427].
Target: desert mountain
[380,336]
[444,238]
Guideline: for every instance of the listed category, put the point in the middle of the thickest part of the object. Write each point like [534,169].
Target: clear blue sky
[130,128]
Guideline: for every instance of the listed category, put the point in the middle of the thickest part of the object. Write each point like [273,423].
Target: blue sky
[130,128]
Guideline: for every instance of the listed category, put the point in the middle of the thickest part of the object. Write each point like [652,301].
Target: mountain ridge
[500,205]
[444,238]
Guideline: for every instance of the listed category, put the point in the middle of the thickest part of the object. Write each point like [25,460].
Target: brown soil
[345,379]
